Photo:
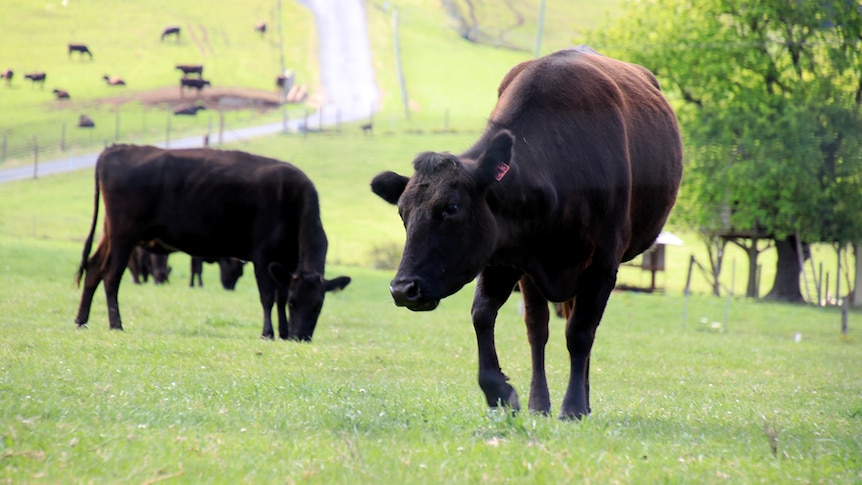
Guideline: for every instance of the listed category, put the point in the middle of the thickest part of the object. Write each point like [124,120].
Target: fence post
[35,157]
[220,126]
[63,138]
[338,120]
[168,131]
[4,148]
[117,125]
[305,125]
[687,291]
[320,119]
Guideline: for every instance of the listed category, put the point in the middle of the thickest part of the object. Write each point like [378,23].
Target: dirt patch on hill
[212,98]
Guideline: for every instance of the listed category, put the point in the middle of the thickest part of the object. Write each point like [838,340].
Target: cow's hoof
[267,337]
[572,415]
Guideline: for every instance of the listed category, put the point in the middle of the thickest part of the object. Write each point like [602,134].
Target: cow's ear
[336,284]
[389,186]
[496,163]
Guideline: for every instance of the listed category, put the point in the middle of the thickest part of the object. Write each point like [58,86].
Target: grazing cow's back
[576,172]
[212,204]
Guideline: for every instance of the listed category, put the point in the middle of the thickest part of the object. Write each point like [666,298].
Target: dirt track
[212,98]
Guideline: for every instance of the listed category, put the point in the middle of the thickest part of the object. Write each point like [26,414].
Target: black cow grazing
[7,75]
[198,84]
[61,94]
[213,204]
[36,77]
[81,49]
[189,110]
[576,172]
[143,263]
[85,121]
[172,30]
[114,80]
[366,128]
[260,27]
[230,270]
[191,69]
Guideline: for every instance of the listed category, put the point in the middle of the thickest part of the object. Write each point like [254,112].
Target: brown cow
[212,204]
[191,83]
[36,77]
[576,172]
[7,75]
[61,93]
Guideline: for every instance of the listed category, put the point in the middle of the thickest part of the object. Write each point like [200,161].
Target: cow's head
[305,300]
[230,270]
[451,231]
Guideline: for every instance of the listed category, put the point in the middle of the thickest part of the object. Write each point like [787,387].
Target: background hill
[444,72]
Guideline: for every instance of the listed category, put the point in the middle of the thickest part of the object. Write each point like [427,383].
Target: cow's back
[206,202]
[600,134]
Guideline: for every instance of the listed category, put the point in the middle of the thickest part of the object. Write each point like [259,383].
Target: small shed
[653,260]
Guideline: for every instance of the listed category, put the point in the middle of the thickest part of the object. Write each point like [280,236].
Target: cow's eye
[450,210]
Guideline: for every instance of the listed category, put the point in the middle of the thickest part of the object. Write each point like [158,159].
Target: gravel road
[349,88]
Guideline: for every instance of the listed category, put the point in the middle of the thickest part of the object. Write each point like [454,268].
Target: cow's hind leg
[92,278]
[594,289]
[281,292]
[118,258]
[536,316]
[493,288]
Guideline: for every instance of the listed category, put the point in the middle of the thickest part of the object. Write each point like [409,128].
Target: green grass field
[189,394]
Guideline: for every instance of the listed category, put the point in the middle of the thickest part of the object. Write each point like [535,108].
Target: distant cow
[114,80]
[189,110]
[214,204]
[575,173]
[198,84]
[172,30]
[191,69]
[36,77]
[260,27]
[85,121]
[81,49]
[230,270]
[7,75]
[61,93]
[143,263]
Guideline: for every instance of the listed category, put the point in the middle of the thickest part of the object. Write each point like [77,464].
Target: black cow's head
[230,270]
[451,231]
[305,300]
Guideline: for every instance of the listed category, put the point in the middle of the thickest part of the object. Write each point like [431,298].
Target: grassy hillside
[445,75]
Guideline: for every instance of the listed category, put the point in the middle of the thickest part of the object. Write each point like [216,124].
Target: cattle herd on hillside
[575,173]
[192,75]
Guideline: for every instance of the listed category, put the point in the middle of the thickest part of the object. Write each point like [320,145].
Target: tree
[769,100]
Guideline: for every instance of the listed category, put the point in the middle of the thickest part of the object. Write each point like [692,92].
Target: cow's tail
[88,245]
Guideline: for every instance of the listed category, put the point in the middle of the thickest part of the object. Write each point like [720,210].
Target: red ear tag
[502,170]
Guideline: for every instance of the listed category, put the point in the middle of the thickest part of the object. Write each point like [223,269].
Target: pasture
[189,393]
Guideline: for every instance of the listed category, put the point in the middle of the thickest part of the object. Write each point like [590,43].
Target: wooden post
[4,148]
[687,291]
[168,131]
[35,157]
[398,67]
[220,127]
[63,137]
[117,125]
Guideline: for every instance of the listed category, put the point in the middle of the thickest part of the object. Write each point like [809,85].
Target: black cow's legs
[536,317]
[266,289]
[594,289]
[280,305]
[493,288]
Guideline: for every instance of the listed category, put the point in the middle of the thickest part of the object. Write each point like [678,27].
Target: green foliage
[769,99]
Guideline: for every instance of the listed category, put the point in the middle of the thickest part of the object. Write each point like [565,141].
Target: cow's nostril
[405,291]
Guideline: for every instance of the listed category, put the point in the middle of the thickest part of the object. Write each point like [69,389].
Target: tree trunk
[786,286]
[751,291]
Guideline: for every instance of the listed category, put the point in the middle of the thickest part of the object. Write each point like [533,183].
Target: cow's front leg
[536,316]
[493,288]
[281,305]
[594,289]
[266,289]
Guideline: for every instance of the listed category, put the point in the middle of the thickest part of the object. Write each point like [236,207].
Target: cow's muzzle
[408,293]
